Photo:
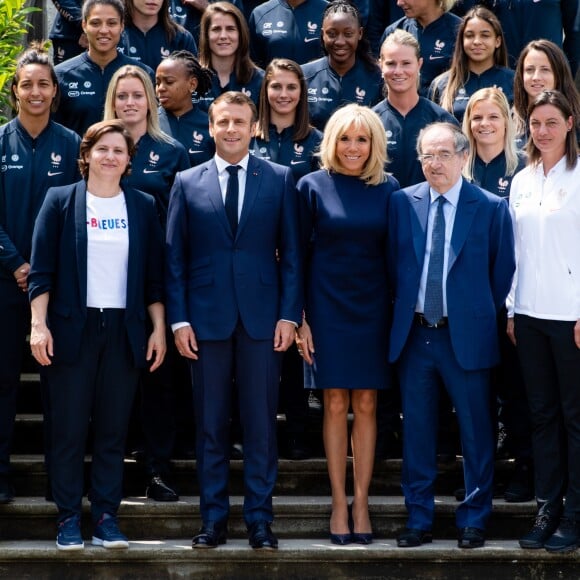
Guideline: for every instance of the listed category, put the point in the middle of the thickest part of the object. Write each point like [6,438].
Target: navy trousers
[254,367]
[428,359]
[98,389]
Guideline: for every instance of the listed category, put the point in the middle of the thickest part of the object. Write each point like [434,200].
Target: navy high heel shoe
[343,539]
[364,538]
[340,539]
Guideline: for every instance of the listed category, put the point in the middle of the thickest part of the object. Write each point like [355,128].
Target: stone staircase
[161,534]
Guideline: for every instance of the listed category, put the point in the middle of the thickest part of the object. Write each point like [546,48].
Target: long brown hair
[563,81]
[302,125]
[244,67]
[459,69]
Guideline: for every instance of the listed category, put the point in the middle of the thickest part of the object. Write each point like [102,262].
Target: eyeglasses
[442,157]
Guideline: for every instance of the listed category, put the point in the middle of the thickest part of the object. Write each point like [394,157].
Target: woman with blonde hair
[492,162]
[493,159]
[345,331]
[158,157]
[404,112]
[431,23]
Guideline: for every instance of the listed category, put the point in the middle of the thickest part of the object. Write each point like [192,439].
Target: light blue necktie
[433,308]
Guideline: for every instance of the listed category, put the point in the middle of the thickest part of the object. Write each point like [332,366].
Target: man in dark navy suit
[452,262]
[234,288]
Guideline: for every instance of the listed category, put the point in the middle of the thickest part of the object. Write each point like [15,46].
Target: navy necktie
[433,308]
[232,192]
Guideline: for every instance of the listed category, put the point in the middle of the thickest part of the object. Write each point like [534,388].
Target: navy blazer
[59,266]
[480,270]
[214,278]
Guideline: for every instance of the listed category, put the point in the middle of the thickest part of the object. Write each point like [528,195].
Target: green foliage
[13,26]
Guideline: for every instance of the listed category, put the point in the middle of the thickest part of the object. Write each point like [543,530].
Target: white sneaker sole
[116,545]
[70,547]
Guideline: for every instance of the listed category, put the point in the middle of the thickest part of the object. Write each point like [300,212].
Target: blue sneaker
[107,533]
[69,534]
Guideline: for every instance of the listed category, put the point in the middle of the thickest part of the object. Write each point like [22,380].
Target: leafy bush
[13,27]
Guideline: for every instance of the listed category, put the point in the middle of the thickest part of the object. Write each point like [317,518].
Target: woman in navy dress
[344,334]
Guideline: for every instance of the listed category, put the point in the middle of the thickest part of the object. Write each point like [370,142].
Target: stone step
[296,559]
[29,396]
[308,477]
[33,518]
[29,433]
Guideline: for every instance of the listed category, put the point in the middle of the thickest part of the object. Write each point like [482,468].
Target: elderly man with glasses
[452,262]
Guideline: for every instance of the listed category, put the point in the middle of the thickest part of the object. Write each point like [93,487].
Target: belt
[422,321]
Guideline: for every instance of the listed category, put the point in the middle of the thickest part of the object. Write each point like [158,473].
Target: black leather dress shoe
[261,536]
[471,538]
[158,490]
[211,535]
[412,537]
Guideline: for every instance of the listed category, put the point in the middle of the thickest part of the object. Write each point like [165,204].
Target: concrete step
[296,559]
[33,518]
[308,477]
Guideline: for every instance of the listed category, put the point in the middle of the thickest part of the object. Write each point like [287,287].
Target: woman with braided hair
[177,79]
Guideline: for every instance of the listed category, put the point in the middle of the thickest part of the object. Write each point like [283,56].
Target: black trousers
[14,326]
[550,364]
[99,389]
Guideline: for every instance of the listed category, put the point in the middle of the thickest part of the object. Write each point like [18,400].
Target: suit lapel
[81,238]
[134,246]
[253,181]
[210,182]
[420,200]
[466,208]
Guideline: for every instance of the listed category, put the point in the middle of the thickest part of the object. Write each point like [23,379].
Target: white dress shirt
[223,177]
[449,210]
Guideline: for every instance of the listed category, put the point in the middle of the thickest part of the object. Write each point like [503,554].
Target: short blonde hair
[447,5]
[373,171]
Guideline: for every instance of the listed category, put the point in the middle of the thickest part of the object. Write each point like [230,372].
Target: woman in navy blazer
[96,269]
